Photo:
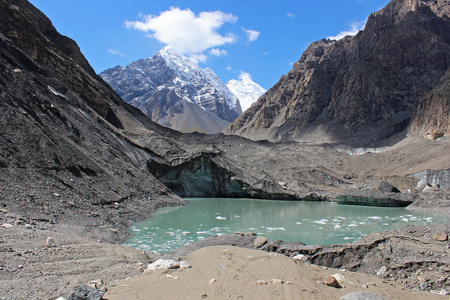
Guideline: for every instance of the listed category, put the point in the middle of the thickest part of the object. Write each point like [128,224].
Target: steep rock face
[366,86]
[432,119]
[175,92]
[63,149]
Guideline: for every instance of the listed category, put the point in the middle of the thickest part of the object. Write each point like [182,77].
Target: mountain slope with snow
[246,90]
[175,92]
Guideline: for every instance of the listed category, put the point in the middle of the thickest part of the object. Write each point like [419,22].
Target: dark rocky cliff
[63,153]
[359,89]
[432,119]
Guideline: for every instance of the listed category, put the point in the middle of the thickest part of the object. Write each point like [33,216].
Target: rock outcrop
[432,118]
[175,92]
[360,89]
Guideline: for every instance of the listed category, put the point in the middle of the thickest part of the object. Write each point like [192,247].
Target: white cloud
[186,32]
[355,27]
[218,52]
[290,15]
[229,67]
[252,35]
[116,52]
[244,76]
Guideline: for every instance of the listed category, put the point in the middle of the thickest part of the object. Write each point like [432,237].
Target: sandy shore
[225,272]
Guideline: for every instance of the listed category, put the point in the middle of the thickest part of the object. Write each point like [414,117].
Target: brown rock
[332,281]
[259,241]
[440,237]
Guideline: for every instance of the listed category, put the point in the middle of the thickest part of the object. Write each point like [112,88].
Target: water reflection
[308,222]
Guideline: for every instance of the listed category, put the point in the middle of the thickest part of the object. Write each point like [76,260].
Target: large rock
[85,292]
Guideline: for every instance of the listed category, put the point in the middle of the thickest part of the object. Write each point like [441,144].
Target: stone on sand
[259,241]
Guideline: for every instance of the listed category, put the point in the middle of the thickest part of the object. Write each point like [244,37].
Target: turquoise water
[309,222]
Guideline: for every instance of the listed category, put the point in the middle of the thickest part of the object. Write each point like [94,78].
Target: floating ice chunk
[298,223]
[137,230]
[337,226]
[237,216]
[348,238]
[221,218]
[374,218]
[352,225]
[276,228]
[201,232]
[323,221]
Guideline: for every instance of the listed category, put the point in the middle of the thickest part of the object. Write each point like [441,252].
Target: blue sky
[260,37]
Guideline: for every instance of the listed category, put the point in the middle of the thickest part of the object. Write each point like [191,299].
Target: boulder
[163,264]
[85,292]
[300,257]
[259,241]
[332,281]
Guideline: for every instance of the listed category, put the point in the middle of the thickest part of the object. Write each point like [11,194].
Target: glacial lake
[309,222]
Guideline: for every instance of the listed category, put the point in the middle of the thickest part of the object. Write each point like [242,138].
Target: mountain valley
[365,117]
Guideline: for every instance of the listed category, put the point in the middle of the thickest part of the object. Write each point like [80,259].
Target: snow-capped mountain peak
[184,66]
[245,89]
[174,91]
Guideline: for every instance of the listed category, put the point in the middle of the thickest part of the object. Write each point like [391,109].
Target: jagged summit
[361,89]
[175,92]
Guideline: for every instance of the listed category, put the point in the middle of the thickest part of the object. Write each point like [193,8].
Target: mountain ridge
[168,87]
[358,90]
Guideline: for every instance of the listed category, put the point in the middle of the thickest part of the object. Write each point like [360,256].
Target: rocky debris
[55,164]
[362,296]
[259,241]
[406,256]
[85,292]
[332,281]
[261,282]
